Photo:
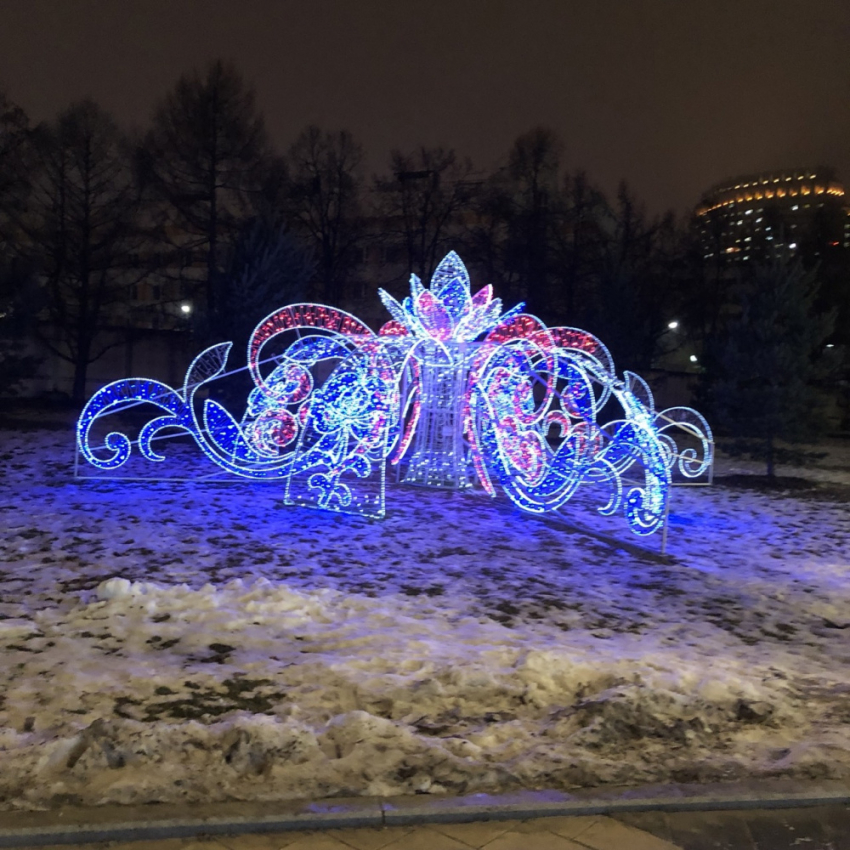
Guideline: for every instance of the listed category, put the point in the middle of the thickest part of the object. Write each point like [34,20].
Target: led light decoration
[452,390]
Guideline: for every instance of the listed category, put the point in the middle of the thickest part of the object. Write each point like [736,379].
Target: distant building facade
[748,217]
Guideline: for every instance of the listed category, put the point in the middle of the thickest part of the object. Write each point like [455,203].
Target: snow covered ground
[163,641]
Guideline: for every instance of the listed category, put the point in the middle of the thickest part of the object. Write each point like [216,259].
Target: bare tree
[19,301]
[534,169]
[637,283]
[15,166]
[208,157]
[422,203]
[519,213]
[80,231]
[325,206]
[579,244]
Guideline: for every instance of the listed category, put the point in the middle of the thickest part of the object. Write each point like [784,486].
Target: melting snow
[163,641]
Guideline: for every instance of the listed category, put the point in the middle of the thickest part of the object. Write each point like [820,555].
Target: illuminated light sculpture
[451,389]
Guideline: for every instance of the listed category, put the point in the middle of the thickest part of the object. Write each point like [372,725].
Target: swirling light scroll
[452,388]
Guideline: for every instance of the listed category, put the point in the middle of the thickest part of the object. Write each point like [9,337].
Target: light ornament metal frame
[452,390]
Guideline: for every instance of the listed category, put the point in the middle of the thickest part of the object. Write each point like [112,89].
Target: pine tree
[763,365]
[267,269]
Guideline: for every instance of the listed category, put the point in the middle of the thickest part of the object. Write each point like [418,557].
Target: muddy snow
[171,641]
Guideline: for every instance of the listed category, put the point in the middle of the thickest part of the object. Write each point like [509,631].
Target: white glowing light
[673,325]
[186,308]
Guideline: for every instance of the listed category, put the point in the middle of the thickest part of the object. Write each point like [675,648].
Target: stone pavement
[811,828]
[807,828]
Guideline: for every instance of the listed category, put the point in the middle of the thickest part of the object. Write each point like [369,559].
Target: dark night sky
[673,95]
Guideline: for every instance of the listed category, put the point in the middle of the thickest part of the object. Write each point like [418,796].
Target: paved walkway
[816,828]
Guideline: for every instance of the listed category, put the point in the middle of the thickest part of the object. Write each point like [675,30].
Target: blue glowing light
[452,389]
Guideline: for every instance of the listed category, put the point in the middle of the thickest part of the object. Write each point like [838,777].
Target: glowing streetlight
[673,325]
[186,308]
[693,358]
